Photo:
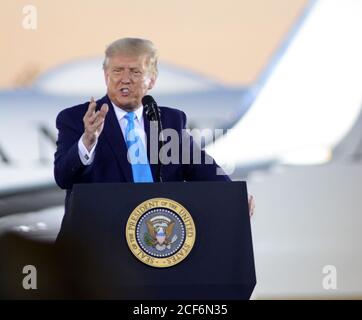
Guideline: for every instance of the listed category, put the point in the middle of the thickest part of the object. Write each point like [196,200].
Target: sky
[229,41]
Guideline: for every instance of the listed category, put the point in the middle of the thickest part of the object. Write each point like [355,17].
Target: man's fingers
[91,108]
[251,203]
[100,113]
[92,118]
[98,122]
[251,200]
[104,109]
[99,128]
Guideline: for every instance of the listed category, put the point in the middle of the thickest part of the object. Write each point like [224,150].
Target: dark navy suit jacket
[110,163]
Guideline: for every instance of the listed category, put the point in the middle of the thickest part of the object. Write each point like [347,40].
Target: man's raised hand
[251,203]
[93,123]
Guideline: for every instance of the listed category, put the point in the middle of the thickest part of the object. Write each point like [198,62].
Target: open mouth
[124,92]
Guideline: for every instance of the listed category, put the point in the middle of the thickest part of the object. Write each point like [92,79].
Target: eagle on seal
[159,236]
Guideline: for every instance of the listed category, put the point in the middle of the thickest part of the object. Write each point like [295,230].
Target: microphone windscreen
[148,100]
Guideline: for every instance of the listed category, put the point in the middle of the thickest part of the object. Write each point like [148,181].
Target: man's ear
[105,76]
[152,82]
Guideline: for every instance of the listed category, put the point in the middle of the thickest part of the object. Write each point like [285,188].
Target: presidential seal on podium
[160,232]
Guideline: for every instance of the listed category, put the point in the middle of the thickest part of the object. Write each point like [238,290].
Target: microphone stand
[154,114]
[160,143]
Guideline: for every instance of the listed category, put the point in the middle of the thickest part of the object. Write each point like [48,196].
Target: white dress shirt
[87,157]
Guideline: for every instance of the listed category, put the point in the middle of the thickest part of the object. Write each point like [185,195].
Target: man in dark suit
[95,138]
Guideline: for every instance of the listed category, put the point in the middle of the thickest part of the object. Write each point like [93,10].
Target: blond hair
[133,47]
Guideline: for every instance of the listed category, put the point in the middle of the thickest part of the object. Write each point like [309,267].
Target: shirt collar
[120,113]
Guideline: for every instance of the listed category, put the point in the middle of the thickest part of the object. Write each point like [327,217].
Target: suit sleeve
[68,167]
[201,167]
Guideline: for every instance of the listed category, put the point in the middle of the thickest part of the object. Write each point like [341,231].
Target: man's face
[128,79]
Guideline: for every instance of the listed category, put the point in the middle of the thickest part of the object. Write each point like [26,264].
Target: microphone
[151,108]
[153,113]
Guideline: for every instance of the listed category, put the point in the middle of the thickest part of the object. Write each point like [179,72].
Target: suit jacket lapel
[113,133]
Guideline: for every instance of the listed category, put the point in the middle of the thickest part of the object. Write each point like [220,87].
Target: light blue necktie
[136,152]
